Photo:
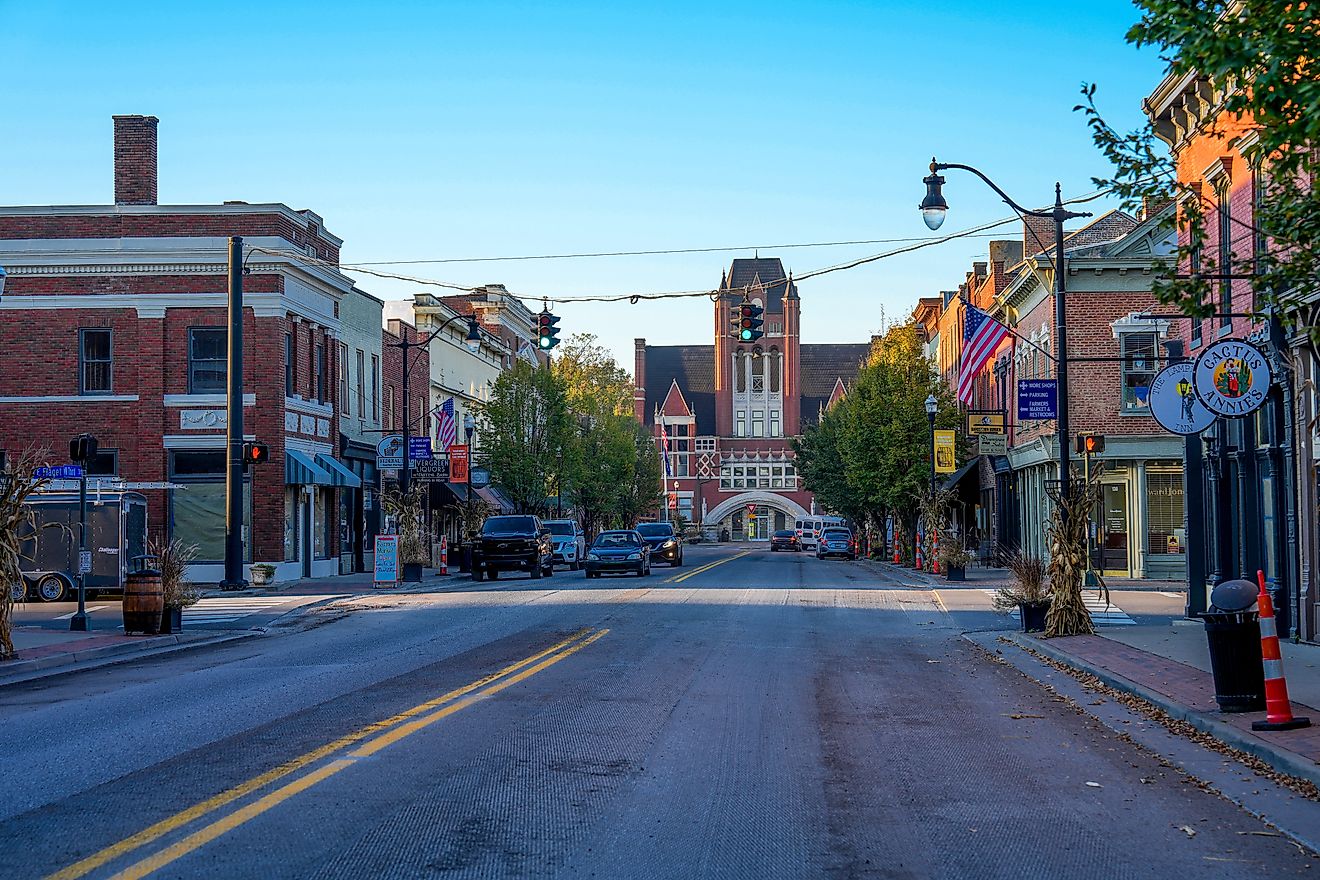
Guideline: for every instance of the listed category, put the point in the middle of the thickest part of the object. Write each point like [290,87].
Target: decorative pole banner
[1174,404]
[1232,378]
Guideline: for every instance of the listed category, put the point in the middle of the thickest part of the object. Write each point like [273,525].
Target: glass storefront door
[1114,532]
[761,524]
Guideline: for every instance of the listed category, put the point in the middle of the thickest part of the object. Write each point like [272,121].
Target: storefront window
[1164,505]
[197,509]
[290,523]
[322,524]
[1139,368]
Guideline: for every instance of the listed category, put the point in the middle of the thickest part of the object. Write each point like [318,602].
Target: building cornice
[227,209]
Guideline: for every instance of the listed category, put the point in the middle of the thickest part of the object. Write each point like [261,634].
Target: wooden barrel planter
[144,602]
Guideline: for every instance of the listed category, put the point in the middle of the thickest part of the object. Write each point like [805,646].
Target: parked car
[116,535]
[619,551]
[809,528]
[664,542]
[836,541]
[785,539]
[568,542]
[512,543]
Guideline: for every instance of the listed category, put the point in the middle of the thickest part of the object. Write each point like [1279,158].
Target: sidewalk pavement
[988,577]
[44,651]
[1169,666]
[359,582]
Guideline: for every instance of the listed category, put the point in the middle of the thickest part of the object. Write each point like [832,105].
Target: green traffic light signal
[547,334]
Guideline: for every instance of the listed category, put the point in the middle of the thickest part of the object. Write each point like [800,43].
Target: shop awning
[959,475]
[301,470]
[339,475]
[495,499]
[448,493]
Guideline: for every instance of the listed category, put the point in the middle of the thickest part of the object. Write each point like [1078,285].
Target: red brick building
[730,410]
[114,322]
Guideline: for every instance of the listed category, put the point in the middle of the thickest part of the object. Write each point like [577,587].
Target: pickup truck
[512,543]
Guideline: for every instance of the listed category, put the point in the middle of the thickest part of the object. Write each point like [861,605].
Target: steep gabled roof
[692,368]
[674,404]
[837,394]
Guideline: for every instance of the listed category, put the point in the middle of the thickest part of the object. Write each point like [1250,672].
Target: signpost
[389,453]
[419,448]
[1174,404]
[1038,399]
[946,457]
[980,421]
[387,561]
[992,444]
[458,463]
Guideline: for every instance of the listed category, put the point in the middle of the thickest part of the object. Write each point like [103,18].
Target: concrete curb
[1289,762]
[21,671]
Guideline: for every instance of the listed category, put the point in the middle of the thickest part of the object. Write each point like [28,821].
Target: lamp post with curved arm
[934,208]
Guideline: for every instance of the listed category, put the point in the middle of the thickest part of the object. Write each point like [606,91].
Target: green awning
[339,475]
[301,470]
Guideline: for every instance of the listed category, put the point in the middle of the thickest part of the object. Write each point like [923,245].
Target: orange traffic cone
[935,551]
[444,555]
[1278,708]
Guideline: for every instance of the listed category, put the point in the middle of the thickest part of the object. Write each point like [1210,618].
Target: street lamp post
[473,343]
[82,449]
[469,428]
[932,407]
[933,211]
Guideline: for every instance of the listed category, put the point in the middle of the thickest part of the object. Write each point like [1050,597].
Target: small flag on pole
[446,431]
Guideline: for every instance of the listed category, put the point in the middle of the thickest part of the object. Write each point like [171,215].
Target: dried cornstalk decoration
[934,516]
[17,525]
[407,512]
[1028,587]
[1066,539]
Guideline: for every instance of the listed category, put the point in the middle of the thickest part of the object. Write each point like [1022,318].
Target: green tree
[643,494]
[525,434]
[1259,58]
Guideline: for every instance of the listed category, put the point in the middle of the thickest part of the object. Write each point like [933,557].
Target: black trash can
[1235,661]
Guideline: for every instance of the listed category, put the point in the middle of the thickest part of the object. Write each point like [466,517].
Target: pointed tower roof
[674,404]
[839,393]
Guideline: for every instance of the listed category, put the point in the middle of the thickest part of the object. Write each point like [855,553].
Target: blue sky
[440,131]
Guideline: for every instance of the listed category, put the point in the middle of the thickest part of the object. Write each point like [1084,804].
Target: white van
[809,528]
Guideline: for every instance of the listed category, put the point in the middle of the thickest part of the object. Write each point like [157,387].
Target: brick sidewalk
[1188,694]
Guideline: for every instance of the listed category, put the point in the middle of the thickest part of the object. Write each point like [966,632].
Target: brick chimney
[135,160]
[1042,240]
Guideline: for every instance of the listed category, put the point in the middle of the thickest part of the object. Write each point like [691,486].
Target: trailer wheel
[52,588]
[18,590]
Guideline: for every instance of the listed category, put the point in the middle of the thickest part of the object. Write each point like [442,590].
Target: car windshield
[785,533]
[656,530]
[559,527]
[611,540]
[836,534]
[503,525]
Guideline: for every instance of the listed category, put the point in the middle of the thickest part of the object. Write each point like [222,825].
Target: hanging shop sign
[1173,401]
[992,444]
[980,421]
[945,454]
[1232,378]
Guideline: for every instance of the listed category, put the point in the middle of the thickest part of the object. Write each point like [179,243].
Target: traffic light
[1090,444]
[547,334]
[747,321]
[255,453]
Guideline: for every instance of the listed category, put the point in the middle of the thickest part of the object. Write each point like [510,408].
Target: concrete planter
[262,575]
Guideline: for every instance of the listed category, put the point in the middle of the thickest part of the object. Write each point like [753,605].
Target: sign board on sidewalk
[419,448]
[1038,399]
[984,421]
[389,452]
[946,456]
[1174,404]
[992,444]
[431,470]
[387,561]
[458,463]
[59,472]
[1232,378]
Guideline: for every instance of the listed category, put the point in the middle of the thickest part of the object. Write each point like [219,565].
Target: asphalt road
[748,715]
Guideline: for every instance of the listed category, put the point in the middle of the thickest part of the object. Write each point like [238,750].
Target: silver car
[570,544]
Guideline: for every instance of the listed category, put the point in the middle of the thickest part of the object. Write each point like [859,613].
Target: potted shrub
[263,573]
[954,559]
[174,557]
[1027,593]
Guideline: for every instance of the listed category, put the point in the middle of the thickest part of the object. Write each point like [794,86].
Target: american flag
[664,446]
[981,336]
[446,429]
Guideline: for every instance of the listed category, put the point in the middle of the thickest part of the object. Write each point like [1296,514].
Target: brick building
[731,409]
[114,322]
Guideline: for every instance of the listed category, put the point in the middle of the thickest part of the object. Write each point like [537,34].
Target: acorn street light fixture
[933,211]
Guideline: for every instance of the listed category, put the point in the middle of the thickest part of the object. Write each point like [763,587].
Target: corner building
[729,411]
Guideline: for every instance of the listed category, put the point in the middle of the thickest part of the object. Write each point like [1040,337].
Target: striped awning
[339,475]
[301,470]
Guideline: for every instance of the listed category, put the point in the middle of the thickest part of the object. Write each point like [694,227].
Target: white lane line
[90,609]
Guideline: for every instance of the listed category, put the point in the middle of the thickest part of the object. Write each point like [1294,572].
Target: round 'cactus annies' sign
[1232,378]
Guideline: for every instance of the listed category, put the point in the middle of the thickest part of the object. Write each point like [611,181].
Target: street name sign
[419,448]
[1173,401]
[1232,378]
[59,472]
[992,444]
[985,422]
[389,452]
[1038,399]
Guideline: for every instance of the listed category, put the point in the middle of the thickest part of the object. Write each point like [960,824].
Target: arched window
[776,368]
[740,371]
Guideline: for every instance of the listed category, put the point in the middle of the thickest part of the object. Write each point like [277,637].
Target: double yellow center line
[363,742]
[676,579]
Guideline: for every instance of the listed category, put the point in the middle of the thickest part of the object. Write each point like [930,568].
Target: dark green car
[619,552]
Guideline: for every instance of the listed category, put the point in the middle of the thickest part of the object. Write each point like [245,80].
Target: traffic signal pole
[234,579]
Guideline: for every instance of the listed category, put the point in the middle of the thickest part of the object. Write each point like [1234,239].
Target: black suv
[664,543]
[512,543]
